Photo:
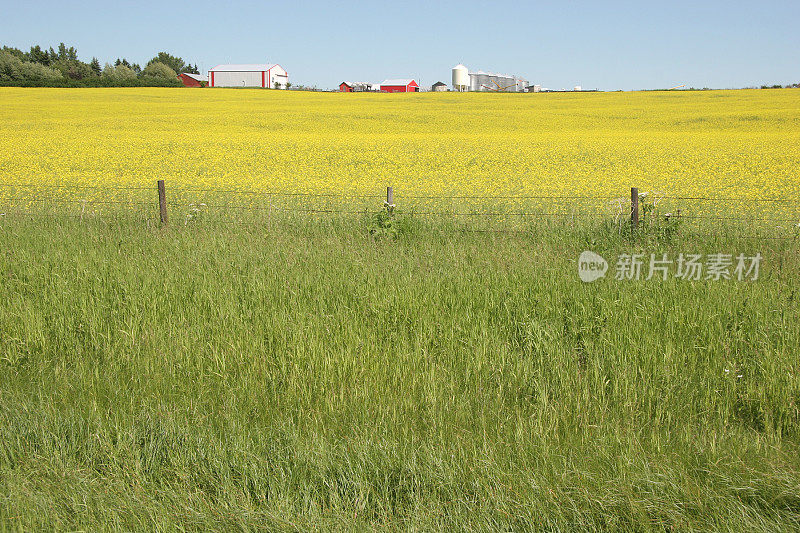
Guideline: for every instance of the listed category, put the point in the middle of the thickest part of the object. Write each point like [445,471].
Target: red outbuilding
[192,80]
[346,87]
[399,86]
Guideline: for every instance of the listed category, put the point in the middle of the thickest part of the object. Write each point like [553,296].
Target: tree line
[40,67]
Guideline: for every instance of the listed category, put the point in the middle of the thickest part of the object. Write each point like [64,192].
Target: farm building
[258,75]
[192,80]
[399,86]
[354,86]
[439,87]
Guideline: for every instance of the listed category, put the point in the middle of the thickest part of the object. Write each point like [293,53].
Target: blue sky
[606,45]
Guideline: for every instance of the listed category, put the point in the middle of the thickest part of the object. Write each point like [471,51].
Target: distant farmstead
[399,86]
[266,75]
[192,80]
[354,87]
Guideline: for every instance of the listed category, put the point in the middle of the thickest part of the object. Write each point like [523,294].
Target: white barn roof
[198,77]
[256,67]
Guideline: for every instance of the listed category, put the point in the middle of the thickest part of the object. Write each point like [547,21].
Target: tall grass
[300,374]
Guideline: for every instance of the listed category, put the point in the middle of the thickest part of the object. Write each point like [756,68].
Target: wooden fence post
[162,202]
[634,207]
[390,200]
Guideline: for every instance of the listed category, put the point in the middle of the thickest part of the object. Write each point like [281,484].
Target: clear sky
[606,45]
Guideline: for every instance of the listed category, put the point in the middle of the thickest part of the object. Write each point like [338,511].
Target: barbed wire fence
[620,210]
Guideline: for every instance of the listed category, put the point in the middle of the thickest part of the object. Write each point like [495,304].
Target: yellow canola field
[733,144]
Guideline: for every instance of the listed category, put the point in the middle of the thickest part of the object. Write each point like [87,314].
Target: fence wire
[464,205]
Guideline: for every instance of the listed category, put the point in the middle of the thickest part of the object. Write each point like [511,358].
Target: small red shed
[192,80]
[399,86]
[346,87]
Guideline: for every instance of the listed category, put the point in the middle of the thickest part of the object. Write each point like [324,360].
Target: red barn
[346,87]
[399,86]
[192,80]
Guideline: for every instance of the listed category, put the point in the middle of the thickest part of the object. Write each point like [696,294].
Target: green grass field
[300,375]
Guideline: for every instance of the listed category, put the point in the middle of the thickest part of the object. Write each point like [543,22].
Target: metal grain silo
[460,78]
[478,81]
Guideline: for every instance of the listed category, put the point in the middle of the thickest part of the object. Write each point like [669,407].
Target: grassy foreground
[300,375]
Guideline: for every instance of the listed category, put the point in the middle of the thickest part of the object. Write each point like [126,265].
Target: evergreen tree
[95,66]
[66,54]
[37,55]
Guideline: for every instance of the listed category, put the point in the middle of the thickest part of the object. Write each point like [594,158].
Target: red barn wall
[410,88]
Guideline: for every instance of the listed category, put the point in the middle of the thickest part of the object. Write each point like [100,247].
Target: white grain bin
[578,88]
[460,78]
